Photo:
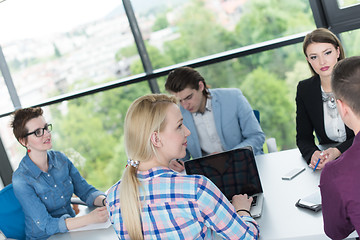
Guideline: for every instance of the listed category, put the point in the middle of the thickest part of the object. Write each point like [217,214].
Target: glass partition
[351,41]
[347,3]
[6,104]
[179,31]
[57,47]
[13,149]
[50,58]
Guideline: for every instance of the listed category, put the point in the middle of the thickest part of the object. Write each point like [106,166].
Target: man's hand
[176,165]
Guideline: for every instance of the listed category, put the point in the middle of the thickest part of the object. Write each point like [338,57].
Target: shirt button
[55,185]
[48,175]
[45,198]
[62,196]
[38,222]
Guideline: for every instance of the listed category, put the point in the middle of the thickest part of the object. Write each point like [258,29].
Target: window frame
[328,14]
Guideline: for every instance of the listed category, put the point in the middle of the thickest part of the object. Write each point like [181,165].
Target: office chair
[257,115]
[270,142]
[12,219]
[271,145]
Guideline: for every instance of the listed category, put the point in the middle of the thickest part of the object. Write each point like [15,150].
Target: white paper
[94,226]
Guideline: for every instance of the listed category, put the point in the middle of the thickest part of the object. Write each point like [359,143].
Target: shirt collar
[52,162]
[35,170]
[153,172]
[208,107]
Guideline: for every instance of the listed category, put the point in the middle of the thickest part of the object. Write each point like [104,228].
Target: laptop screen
[233,172]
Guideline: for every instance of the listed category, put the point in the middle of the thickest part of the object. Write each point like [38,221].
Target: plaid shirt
[177,206]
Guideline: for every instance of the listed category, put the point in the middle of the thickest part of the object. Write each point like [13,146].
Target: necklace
[329,99]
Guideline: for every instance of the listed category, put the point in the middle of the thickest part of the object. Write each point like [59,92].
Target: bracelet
[244,210]
[103,201]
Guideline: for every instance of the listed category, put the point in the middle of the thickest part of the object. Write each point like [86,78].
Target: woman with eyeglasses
[46,180]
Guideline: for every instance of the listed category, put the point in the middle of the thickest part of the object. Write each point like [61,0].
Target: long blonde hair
[145,115]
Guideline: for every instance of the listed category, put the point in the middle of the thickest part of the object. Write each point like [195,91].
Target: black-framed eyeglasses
[40,131]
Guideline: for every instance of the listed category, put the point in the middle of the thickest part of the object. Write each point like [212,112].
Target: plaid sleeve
[113,207]
[219,214]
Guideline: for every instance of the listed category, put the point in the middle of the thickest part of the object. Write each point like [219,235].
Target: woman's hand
[242,201]
[98,215]
[324,156]
[315,158]
[332,154]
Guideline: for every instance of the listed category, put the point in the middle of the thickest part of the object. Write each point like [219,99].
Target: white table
[106,234]
[280,219]
[98,234]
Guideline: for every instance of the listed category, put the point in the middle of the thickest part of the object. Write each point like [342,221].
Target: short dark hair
[345,82]
[21,117]
[322,35]
[185,77]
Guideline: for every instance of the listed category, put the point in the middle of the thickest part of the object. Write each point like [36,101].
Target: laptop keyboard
[254,201]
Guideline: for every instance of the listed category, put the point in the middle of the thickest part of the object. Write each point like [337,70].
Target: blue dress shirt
[46,196]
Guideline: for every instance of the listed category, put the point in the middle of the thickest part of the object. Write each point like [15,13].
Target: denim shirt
[46,196]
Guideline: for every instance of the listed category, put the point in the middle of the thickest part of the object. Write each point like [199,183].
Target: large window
[55,57]
[56,47]
[68,46]
[351,41]
[184,30]
[347,3]
[5,101]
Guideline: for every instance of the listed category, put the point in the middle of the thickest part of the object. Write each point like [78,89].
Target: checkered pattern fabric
[176,206]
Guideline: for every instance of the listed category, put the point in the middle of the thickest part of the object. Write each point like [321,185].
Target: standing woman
[316,104]
[46,180]
[151,201]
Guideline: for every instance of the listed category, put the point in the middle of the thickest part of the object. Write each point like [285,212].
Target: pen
[317,162]
[316,165]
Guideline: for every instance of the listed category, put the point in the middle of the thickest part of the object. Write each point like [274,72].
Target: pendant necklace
[330,101]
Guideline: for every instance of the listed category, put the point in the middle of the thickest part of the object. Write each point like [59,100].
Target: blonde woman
[151,201]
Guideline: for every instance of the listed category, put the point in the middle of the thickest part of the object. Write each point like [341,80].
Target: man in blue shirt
[218,119]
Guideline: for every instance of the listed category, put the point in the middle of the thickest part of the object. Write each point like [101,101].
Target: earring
[28,150]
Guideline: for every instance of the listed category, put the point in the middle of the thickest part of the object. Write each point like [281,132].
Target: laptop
[233,172]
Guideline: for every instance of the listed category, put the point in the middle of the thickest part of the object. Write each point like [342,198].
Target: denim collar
[35,170]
